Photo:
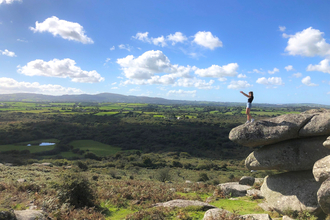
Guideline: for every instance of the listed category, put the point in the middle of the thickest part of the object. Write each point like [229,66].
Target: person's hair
[251,93]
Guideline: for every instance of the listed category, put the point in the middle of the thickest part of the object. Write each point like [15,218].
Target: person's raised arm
[245,94]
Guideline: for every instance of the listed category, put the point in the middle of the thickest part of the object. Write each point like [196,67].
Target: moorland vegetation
[115,160]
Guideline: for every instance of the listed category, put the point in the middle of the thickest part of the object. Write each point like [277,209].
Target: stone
[29,215]
[269,131]
[265,206]
[291,155]
[46,164]
[285,217]
[323,196]
[256,217]
[180,203]
[296,191]
[186,190]
[258,180]
[21,180]
[321,169]
[247,180]
[326,143]
[188,181]
[217,214]
[318,125]
[173,190]
[233,189]
[255,193]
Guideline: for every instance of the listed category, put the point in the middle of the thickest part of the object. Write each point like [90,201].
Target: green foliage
[76,191]
[203,177]
[163,175]
[83,166]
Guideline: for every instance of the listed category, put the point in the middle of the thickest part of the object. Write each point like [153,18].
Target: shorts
[249,105]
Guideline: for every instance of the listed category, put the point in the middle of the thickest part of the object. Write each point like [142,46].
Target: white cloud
[307,81]
[114,83]
[288,68]
[137,89]
[106,61]
[297,75]
[240,84]
[178,37]
[124,47]
[142,37]
[20,40]
[194,82]
[8,53]
[66,29]
[275,70]
[282,28]
[206,39]
[241,76]
[114,88]
[150,63]
[65,68]
[9,85]
[218,71]
[9,1]
[272,81]
[112,48]
[159,41]
[257,71]
[309,43]
[182,93]
[323,66]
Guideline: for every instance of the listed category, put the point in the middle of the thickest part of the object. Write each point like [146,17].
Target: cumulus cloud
[257,71]
[9,1]
[206,39]
[182,93]
[7,53]
[65,68]
[218,71]
[282,28]
[150,63]
[112,48]
[240,84]
[272,81]
[9,85]
[106,61]
[241,76]
[178,37]
[124,47]
[288,68]
[307,81]
[309,43]
[297,75]
[194,82]
[323,66]
[275,70]
[66,29]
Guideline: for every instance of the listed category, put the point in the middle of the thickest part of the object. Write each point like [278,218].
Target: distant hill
[118,98]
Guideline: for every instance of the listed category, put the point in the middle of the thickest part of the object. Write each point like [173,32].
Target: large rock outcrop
[298,143]
[296,191]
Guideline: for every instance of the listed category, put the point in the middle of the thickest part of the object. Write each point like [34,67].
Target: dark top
[250,99]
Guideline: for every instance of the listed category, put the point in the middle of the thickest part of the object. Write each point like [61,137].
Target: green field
[95,147]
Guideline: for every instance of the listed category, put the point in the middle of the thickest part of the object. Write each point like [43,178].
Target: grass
[95,147]
[242,206]
[106,113]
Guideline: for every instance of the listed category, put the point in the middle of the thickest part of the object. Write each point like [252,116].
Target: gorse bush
[163,175]
[77,191]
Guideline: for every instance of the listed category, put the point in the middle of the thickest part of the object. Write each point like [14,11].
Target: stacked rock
[290,144]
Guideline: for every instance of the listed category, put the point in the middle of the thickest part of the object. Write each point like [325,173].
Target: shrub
[76,190]
[82,166]
[203,177]
[163,175]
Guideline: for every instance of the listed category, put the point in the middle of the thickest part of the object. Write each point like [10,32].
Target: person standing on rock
[248,106]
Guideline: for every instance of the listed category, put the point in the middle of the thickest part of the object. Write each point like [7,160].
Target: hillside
[118,98]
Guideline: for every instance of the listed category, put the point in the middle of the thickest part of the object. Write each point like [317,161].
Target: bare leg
[248,114]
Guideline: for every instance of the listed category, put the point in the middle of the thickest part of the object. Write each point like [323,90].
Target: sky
[184,50]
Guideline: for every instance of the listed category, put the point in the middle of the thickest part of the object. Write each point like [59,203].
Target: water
[43,144]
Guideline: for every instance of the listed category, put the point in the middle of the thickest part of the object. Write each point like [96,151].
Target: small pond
[43,144]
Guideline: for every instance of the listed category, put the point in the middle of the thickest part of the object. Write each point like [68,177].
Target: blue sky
[187,49]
